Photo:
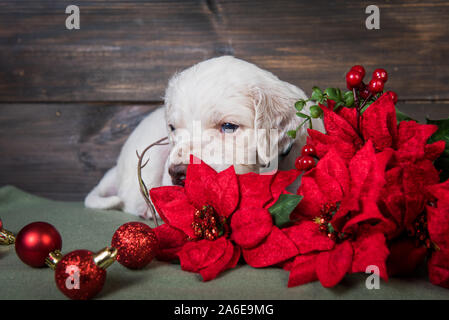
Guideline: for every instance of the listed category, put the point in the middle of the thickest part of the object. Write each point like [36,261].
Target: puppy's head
[226,111]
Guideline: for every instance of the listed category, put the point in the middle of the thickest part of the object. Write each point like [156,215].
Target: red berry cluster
[419,231]
[207,224]
[306,161]
[354,80]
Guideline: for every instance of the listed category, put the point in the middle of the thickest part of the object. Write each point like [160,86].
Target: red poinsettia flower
[409,169]
[216,217]
[438,229]
[335,233]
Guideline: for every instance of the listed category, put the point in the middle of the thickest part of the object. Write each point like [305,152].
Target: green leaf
[333,94]
[401,116]
[317,94]
[299,105]
[280,211]
[302,115]
[315,111]
[291,134]
[348,97]
[442,163]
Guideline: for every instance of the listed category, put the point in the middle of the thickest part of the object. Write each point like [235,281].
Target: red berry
[304,163]
[353,79]
[308,150]
[359,69]
[380,74]
[376,86]
[393,96]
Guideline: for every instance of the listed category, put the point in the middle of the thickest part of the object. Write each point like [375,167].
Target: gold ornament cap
[6,237]
[53,258]
[105,257]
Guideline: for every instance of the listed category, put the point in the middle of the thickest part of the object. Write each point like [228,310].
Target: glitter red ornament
[81,274]
[35,242]
[136,244]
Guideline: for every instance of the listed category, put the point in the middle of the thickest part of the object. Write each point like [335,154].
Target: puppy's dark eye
[172,128]
[229,127]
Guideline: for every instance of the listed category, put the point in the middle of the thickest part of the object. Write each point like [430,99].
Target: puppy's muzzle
[177,173]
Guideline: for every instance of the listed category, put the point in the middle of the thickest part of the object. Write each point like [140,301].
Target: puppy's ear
[275,114]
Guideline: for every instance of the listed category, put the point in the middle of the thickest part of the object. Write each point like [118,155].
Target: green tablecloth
[83,228]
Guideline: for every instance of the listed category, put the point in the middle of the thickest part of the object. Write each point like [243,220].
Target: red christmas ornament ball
[35,241]
[136,244]
[78,277]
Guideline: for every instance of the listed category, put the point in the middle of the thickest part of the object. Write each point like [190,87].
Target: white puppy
[225,111]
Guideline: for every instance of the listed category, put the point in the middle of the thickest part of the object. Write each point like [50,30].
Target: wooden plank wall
[69,98]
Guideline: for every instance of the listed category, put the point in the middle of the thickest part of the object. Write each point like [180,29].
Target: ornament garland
[81,274]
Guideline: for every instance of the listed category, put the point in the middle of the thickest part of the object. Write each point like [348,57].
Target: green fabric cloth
[83,228]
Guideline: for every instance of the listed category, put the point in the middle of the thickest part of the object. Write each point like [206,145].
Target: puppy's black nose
[178,173]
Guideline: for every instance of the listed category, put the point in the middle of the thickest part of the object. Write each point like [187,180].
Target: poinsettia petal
[303,270]
[438,267]
[433,151]
[174,208]
[277,247]
[404,257]
[367,180]
[416,177]
[228,192]
[255,189]
[204,186]
[369,212]
[313,198]
[438,224]
[332,265]
[213,270]
[171,241]
[281,180]
[350,115]
[337,126]
[367,176]
[440,191]
[370,249]
[332,170]
[250,226]
[379,123]
[308,238]
[196,255]
[392,195]
[323,143]
[235,258]
[326,183]
[412,140]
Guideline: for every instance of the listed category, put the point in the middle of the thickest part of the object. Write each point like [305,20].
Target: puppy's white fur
[213,92]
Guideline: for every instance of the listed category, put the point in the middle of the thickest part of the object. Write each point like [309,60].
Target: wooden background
[70,98]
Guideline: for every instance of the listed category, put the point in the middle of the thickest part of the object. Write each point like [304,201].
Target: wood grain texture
[62,151]
[127,50]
